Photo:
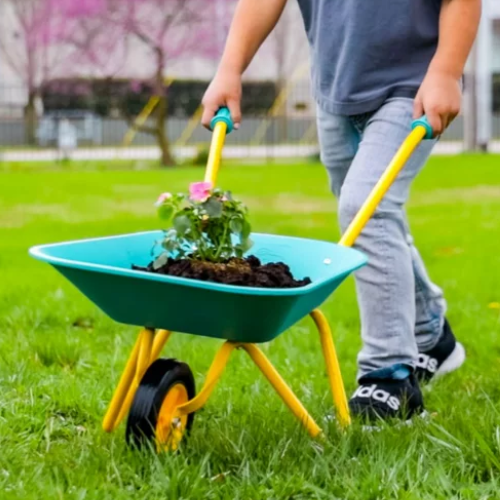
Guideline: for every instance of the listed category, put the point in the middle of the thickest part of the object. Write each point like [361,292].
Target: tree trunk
[167,159]
[30,119]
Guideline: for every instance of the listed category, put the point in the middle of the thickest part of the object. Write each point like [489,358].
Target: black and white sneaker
[377,398]
[448,355]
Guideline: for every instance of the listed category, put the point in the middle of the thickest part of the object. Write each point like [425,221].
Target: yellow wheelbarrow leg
[146,350]
[214,373]
[332,368]
[265,366]
[161,338]
[121,390]
[282,389]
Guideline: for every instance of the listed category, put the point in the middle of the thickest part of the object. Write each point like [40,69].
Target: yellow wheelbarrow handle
[421,129]
[221,124]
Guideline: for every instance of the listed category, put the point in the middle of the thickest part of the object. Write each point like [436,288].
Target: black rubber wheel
[162,378]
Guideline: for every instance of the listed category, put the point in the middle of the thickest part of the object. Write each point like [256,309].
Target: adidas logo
[427,363]
[380,395]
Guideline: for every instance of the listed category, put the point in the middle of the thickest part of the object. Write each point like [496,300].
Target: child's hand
[225,90]
[440,99]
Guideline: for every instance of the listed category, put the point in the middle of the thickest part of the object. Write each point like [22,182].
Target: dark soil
[243,272]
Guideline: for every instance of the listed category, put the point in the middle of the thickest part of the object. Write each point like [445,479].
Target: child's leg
[339,141]
[440,353]
[430,303]
[386,286]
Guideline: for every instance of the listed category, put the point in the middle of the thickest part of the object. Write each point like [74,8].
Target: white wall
[7,76]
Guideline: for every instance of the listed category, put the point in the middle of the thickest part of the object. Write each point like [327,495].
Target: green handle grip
[423,122]
[224,116]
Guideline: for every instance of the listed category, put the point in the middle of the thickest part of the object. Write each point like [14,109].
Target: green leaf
[246,244]
[170,245]
[182,224]
[160,261]
[213,207]
[236,225]
[166,212]
[247,230]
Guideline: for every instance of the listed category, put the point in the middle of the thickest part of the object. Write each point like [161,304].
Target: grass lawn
[60,357]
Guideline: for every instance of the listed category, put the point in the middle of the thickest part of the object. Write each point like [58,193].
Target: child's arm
[252,23]
[440,94]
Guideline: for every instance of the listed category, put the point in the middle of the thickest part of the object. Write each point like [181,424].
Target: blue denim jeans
[402,311]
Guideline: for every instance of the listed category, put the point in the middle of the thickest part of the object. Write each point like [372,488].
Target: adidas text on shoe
[446,356]
[386,398]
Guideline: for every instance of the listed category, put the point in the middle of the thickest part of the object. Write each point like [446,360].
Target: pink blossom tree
[49,38]
[93,34]
[25,46]
[43,39]
[172,30]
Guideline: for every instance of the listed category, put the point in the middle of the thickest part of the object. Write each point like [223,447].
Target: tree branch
[139,128]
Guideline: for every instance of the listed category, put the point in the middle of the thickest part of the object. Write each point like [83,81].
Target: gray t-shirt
[366,51]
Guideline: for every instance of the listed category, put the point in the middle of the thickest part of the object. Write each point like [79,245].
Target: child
[376,65]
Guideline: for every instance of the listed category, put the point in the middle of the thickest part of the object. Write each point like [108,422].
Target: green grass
[60,357]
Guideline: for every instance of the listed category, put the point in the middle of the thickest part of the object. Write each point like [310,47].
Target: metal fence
[286,129]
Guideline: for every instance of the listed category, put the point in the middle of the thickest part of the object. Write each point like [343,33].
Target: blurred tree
[92,32]
[25,45]
[48,36]
[44,38]
[171,30]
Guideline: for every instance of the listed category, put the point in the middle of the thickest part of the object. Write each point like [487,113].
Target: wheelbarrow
[159,394]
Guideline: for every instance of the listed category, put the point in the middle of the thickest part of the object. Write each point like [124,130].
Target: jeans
[402,311]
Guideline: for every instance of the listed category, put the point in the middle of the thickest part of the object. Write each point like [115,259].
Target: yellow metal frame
[215,154]
[143,116]
[383,185]
[187,133]
[278,104]
[148,348]
[150,343]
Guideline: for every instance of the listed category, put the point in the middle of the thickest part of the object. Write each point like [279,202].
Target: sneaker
[446,356]
[378,398]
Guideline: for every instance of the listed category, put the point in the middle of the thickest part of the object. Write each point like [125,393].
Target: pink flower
[162,199]
[200,191]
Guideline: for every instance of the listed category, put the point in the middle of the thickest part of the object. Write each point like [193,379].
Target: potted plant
[208,239]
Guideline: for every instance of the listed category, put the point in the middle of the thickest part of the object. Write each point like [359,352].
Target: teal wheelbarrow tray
[102,270]
[159,394]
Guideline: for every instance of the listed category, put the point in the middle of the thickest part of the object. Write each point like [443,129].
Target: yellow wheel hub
[171,426]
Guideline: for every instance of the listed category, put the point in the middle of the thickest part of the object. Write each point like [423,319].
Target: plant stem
[221,244]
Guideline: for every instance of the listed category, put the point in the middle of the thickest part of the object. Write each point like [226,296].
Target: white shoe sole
[453,362]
